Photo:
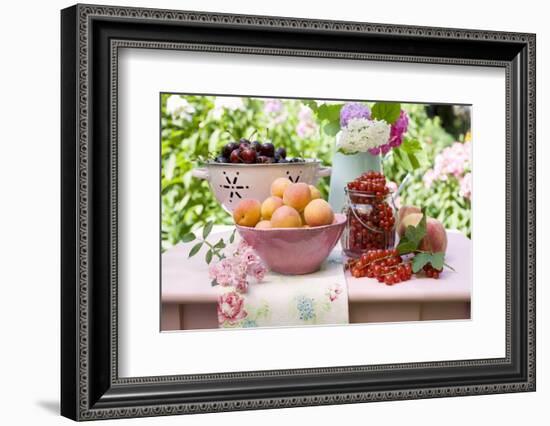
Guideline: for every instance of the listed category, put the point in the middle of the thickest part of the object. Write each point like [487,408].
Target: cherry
[248,155]
[234,157]
[267,149]
[280,152]
[256,146]
[229,148]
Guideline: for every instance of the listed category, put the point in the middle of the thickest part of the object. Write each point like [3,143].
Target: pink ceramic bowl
[294,251]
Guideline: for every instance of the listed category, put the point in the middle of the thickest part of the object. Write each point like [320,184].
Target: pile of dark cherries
[255,152]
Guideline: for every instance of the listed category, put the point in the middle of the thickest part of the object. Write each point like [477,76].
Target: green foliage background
[188,203]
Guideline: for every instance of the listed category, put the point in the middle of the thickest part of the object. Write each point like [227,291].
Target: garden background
[194,128]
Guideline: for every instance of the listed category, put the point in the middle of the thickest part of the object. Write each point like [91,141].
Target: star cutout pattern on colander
[233,186]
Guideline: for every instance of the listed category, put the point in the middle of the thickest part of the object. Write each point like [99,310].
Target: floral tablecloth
[282,300]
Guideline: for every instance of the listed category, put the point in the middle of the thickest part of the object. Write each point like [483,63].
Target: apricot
[286,217]
[436,236]
[269,205]
[263,224]
[315,193]
[318,213]
[247,212]
[279,185]
[297,195]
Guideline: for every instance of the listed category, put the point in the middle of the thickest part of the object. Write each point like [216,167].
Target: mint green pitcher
[345,168]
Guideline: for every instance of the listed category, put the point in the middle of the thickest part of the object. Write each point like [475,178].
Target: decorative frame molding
[91,388]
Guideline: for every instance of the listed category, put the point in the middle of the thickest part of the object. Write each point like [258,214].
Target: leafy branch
[214,249]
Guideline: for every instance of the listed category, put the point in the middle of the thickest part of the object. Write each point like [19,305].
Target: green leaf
[387,111]
[438,260]
[311,103]
[232,236]
[208,256]
[414,161]
[220,244]
[402,159]
[411,146]
[331,128]
[188,237]
[413,235]
[207,229]
[195,249]
[329,112]
[422,259]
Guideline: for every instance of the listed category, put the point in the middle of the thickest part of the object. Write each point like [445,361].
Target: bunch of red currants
[255,152]
[387,266]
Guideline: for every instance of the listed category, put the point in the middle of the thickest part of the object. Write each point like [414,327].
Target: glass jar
[370,222]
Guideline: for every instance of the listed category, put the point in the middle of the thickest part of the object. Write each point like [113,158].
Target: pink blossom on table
[229,272]
[242,284]
[306,126]
[231,308]
[466,186]
[235,269]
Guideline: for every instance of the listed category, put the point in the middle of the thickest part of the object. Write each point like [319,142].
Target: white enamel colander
[233,182]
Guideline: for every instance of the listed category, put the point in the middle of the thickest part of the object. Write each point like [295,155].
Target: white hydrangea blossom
[178,107]
[229,103]
[362,134]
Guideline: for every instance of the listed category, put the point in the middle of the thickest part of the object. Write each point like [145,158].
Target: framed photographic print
[263,212]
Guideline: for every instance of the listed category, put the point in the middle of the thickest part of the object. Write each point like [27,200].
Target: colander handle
[200,173]
[324,171]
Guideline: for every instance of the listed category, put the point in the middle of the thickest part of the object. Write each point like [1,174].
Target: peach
[269,205]
[318,213]
[436,236]
[315,193]
[263,224]
[286,217]
[403,212]
[247,212]
[279,185]
[297,195]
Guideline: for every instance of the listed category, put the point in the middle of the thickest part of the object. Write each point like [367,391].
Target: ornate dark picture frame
[91,36]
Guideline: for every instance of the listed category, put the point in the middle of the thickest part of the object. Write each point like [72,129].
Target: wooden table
[189,301]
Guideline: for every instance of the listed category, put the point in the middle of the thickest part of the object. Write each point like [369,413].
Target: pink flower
[231,308]
[428,178]
[333,292]
[235,269]
[273,106]
[453,161]
[307,126]
[397,131]
[466,186]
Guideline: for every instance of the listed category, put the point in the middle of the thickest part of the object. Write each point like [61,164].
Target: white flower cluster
[362,134]
[178,107]
[222,103]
